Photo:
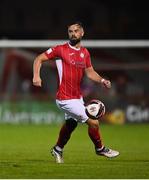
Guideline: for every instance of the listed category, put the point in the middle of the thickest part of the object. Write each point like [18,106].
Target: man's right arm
[36,68]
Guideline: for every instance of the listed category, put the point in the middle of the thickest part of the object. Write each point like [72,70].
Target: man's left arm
[94,76]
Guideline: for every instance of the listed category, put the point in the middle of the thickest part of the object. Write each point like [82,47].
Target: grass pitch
[24,153]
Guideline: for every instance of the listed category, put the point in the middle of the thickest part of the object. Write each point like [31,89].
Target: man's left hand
[106,83]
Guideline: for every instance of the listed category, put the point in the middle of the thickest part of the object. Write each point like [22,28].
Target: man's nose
[73,35]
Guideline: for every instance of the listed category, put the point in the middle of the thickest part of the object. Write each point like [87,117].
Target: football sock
[58,148]
[95,137]
[100,149]
[65,132]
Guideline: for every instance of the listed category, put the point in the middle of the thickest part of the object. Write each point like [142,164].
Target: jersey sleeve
[53,52]
[88,59]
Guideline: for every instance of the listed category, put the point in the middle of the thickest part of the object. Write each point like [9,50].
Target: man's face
[75,33]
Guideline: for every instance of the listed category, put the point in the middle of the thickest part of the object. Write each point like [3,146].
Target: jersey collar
[72,47]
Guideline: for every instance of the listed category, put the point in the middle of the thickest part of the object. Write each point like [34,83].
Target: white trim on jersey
[60,69]
[72,47]
[49,51]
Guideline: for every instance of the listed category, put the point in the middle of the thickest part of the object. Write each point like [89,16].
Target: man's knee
[93,123]
[71,123]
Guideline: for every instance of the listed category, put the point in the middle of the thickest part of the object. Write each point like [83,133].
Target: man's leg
[94,134]
[64,136]
[65,132]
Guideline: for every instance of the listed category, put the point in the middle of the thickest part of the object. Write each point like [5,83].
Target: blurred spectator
[90,89]
[121,84]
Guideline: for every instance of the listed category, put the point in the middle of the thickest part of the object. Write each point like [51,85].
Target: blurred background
[103,19]
[127,68]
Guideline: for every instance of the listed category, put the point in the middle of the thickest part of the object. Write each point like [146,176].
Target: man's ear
[82,33]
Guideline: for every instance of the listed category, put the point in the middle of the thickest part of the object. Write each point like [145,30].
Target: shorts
[73,108]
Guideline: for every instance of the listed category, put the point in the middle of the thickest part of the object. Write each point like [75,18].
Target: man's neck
[78,45]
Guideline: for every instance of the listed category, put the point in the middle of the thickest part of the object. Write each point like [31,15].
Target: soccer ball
[95,109]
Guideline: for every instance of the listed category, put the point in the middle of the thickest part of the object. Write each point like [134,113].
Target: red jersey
[71,63]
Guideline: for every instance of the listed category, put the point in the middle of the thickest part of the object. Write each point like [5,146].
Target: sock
[58,148]
[65,132]
[94,134]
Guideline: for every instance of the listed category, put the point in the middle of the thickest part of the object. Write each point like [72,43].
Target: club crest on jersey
[82,55]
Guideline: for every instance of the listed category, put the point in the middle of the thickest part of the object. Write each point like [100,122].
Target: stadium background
[126,102]
[127,68]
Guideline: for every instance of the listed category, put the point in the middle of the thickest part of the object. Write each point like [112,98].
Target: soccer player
[73,61]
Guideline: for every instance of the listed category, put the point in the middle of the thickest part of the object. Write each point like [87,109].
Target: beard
[73,42]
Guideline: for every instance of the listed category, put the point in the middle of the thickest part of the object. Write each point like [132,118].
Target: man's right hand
[37,81]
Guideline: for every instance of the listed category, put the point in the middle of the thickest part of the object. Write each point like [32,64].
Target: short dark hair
[76,22]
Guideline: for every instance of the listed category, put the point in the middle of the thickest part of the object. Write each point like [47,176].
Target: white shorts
[73,108]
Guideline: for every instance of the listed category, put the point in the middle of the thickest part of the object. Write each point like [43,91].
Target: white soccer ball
[95,109]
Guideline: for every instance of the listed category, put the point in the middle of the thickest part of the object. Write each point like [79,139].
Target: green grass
[24,153]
